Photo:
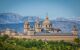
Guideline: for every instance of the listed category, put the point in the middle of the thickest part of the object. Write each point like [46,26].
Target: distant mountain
[65,24]
[61,19]
[10,18]
[68,19]
[31,18]
[16,18]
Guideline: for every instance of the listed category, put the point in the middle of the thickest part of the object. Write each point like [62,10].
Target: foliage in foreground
[7,43]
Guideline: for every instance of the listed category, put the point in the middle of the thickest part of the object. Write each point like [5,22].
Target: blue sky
[54,8]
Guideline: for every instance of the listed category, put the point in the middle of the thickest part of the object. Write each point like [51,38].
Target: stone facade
[29,33]
[74,30]
[47,24]
[26,26]
[37,26]
[8,32]
[50,38]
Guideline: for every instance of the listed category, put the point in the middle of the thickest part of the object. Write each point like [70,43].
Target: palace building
[40,28]
[43,31]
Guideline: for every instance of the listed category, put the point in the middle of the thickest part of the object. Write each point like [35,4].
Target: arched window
[49,25]
[46,25]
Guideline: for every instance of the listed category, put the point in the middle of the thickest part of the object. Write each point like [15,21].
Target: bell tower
[74,30]
[26,26]
[37,25]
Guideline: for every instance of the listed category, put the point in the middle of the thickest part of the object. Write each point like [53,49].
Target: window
[49,25]
[46,25]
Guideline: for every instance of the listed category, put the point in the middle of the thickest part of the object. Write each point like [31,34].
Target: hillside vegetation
[8,43]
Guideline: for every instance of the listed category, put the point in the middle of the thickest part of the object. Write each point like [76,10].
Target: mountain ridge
[16,18]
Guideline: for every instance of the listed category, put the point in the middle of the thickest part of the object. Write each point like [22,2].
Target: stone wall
[54,38]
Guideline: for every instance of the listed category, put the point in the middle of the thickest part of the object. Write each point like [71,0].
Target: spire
[37,20]
[74,28]
[46,16]
[26,22]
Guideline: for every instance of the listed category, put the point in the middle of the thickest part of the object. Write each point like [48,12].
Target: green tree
[77,40]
